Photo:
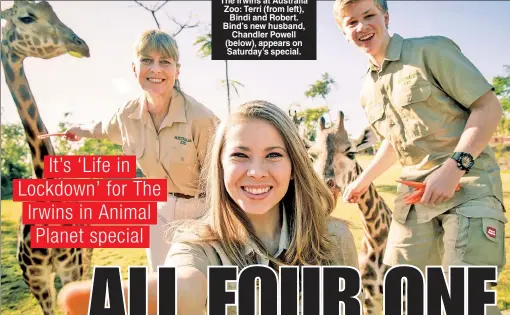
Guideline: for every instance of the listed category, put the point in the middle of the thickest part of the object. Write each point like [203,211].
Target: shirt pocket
[181,162]
[418,113]
[375,115]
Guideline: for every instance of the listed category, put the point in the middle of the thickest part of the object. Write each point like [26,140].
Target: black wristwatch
[465,161]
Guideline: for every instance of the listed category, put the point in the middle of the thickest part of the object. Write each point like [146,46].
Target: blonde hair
[308,202]
[161,42]
[340,5]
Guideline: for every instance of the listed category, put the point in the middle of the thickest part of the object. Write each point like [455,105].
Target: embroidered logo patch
[182,140]
[491,232]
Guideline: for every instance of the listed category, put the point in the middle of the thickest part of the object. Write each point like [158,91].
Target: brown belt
[183,196]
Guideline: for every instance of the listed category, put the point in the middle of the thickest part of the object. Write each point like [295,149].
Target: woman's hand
[355,190]
[75,133]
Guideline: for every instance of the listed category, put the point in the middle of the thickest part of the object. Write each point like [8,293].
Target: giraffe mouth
[75,54]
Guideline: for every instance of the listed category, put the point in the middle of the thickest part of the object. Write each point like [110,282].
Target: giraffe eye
[351,155]
[27,19]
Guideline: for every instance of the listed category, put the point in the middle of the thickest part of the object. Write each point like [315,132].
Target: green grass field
[17,300]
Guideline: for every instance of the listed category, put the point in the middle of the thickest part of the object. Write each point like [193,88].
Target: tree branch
[182,26]
[158,7]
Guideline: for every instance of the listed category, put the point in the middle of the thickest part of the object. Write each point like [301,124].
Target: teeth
[156,80]
[257,191]
[366,37]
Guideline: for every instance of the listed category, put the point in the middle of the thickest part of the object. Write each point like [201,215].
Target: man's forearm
[385,157]
[483,121]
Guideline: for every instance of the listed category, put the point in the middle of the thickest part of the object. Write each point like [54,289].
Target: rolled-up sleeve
[203,133]
[184,254]
[454,72]
[110,129]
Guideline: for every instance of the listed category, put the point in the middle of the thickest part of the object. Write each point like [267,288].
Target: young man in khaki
[435,113]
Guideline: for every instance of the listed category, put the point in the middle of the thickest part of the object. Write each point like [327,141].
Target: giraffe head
[299,122]
[32,29]
[333,153]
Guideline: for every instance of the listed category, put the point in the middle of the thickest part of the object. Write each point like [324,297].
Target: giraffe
[32,29]
[333,156]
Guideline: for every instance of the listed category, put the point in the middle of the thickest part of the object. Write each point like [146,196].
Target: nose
[361,26]
[257,170]
[331,183]
[155,67]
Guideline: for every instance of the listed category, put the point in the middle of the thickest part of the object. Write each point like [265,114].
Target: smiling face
[156,73]
[257,167]
[156,64]
[365,26]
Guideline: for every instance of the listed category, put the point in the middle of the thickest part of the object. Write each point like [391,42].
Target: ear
[177,71]
[366,140]
[387,19]
[133,66]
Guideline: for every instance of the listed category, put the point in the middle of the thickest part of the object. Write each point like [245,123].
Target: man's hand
[441,184]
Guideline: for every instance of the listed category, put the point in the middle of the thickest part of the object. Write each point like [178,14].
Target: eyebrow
[351,18]
[267,149]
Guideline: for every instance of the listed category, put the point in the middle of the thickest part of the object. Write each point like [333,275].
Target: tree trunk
[228,85]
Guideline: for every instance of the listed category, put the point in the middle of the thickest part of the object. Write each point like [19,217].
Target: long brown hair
[308,202]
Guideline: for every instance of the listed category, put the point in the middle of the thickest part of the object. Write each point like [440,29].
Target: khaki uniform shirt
[176,151]
[200,256]
[419,102]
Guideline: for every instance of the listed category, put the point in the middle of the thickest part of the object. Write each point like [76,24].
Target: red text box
[90,236]
[90,166]
[90,190]
[90,213]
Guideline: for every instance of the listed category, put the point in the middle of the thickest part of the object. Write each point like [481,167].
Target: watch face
[466,161]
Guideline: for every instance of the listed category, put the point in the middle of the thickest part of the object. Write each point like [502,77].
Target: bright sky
[94,88]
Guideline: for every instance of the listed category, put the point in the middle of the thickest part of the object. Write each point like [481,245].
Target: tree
[321,88]
[309,118]
[204,43]
[15,157]
[502,89]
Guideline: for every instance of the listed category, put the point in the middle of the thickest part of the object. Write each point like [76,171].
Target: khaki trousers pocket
[485,242]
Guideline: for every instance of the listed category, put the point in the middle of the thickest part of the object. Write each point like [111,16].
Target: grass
[17,300]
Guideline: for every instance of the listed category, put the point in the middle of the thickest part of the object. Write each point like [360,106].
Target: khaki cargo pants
[173,209]
[471,234]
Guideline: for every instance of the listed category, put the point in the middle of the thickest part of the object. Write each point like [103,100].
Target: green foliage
[310,120]
[321,87]
[502,89]
[15,157]
[205,45]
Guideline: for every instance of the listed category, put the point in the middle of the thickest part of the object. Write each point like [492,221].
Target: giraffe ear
[5,13]
[366,140]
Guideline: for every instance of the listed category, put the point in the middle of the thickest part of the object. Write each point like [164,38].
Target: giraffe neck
[27,108]
[375,213]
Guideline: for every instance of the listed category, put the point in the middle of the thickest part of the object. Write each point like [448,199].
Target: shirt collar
[284,240]
[176,113]
[393,51]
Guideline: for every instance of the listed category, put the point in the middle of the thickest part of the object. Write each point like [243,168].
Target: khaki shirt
[176,151]
[419,101]
[200,256]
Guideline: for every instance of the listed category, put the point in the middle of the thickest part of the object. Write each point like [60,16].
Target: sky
[93,88]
